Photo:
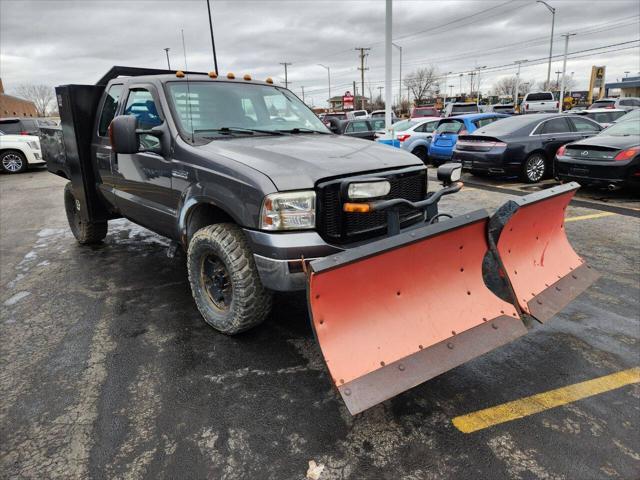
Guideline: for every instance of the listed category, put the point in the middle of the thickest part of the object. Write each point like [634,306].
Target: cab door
[143,180]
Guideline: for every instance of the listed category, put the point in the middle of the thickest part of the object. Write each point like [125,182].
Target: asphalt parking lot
[108,371]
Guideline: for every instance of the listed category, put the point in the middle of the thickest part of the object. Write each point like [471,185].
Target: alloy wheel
[12,163]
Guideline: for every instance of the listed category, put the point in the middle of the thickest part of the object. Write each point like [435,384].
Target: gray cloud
[58,42]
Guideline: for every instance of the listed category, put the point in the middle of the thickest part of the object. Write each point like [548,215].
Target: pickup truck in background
[539,102]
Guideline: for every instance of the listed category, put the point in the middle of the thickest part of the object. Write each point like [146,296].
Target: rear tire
[86,233]
[224,279]
[534,168]
[421,152]
[13,161]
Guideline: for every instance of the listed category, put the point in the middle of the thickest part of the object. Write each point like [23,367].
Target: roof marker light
[180,74]
[230,76]
[213,74]
[247,76]
[269,80]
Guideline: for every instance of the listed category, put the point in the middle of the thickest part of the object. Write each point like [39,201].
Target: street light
[166,50]
[478,96]
[553,22]
[400,72]
[451,91]
[460,84]
[445,86]
[329,80]
[515,93]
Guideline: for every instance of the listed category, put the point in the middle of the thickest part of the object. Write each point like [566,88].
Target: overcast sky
[56,42]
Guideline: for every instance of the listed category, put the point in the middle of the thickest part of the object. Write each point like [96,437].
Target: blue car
[446,134]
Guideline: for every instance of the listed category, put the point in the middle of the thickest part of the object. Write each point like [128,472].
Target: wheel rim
[535,168]
[12,162]
[217,282]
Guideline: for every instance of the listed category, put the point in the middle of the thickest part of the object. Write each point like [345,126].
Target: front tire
[86,233]
[224,279]
[13,161]
[534,168]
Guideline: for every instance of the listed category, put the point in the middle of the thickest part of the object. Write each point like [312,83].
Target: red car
[428,111]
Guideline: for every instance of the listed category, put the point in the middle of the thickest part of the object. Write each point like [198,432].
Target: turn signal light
[357,207]
[560,151]
[628,153]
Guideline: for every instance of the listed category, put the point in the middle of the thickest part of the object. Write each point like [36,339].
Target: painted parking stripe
[540,402]
[589,217]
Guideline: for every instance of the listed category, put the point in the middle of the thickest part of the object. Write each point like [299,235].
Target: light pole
[445,86]
[329,81]
[515,93]
[471,75]
[564,69]
[460,76]
[451,91]
[478,96]
[400,74]
[553,23]
[571,87]
[626,74]
[388,50]
[166,50]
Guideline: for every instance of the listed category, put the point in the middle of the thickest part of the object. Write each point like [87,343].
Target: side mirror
[122,134]
[449,173]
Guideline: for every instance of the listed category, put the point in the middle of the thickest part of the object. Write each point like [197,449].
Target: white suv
[17,152]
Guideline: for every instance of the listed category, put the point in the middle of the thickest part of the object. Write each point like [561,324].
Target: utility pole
[558,79]
[355,92]
[571,88]
[388,54]
[362,69]
[286,78]
[445,86]
[471,75]
[553,23]
[515,92]
[460,85]
[400,74]
[329,81]
[213,43]
[478,96]
[451,91]
[166,50]
[564,69]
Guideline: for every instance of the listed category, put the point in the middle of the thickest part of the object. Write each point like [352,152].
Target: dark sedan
[610,159]
[523,145]
[357,128]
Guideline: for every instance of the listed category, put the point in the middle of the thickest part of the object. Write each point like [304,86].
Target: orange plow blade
[544,271]
[394,313]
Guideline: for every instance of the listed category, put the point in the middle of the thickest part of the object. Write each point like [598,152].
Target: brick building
[11,106]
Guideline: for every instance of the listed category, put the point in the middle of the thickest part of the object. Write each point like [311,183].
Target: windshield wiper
[232,130]
[303,130]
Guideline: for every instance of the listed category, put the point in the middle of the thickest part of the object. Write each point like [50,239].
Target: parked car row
[18,152]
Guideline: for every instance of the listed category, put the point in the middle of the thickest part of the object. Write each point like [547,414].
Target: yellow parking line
[589,217]
[523,407]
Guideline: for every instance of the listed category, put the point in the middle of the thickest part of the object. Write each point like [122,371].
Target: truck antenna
[186,69]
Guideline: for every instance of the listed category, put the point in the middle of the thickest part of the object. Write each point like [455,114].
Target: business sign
[599,76]
[347,101]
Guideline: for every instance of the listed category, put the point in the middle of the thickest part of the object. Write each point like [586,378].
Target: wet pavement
[108,371]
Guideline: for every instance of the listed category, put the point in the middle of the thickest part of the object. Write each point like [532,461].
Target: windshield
[632,115]
[602,104]
[215,109]
[604,117]
[622,129]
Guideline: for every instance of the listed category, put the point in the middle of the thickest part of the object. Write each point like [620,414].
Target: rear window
[483,122]
[424,112]
[602,104]
[10,127]
[539,97]
[452,126]
[464,108]
[339,116]
[605,117]
[630,102]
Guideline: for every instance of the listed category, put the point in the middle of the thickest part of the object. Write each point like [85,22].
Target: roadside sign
[347,101]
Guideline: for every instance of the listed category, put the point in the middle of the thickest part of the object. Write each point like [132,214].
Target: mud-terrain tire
[86,233]
[421,152]
[224,279]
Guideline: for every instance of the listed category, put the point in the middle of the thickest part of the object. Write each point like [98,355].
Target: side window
[141,105]
[583,125]
[483,122]
[360,126]
[556,125]
[377,124]
[349,129]
[109,109]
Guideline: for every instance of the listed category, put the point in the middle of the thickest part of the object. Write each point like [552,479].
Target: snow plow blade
[544,271]
[396,312]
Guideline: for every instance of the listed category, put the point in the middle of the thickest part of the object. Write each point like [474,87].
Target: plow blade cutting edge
[394,313]
[544,270]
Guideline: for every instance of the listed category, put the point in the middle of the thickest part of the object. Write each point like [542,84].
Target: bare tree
[507,85]
[554,85]
[421,82]
[41,95]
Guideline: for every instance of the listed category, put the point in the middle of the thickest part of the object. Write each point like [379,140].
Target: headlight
[33,145]
[288,211]
[368,189]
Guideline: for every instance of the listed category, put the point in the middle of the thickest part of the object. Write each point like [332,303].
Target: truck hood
[296,162]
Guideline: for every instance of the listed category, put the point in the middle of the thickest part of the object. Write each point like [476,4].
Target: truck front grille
[340,227]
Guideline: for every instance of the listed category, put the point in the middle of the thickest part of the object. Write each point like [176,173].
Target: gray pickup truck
[240,173]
